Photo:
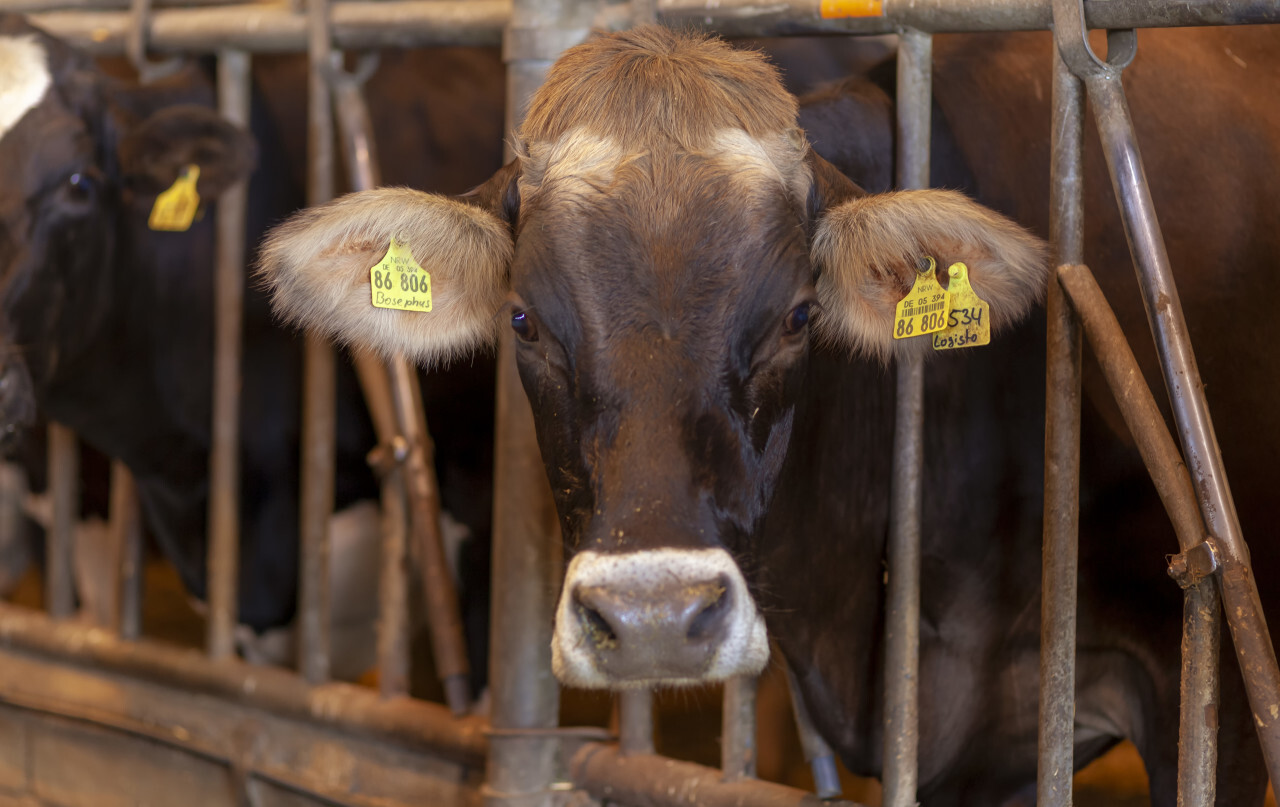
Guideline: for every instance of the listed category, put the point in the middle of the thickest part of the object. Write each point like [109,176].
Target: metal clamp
[1190,567]
[136,45]
[1071,35]
[387,457]
[366,65]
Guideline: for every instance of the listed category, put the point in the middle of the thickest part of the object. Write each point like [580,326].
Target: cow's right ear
[318,267]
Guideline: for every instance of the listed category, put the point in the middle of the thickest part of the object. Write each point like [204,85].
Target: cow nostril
[597,630]
[710,621]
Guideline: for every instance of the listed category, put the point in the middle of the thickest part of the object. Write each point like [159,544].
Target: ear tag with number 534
[969,324]
[397,281]
[176,207]
[926,306]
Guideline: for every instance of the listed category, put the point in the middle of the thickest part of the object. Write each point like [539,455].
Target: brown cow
[659,247]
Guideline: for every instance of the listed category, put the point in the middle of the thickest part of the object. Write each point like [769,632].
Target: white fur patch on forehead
[779,158]
[745,647]
[577,162]
[24,78]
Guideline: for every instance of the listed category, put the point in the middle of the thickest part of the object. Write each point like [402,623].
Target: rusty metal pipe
[738,732]
[1252,639]
[355,708]
[223,550]
[319,380]
[1197,745]
[1061,455]
[902,619]
[64,493]
[444,618]
[654,781]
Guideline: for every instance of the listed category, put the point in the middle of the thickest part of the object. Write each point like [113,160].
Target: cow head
[667,250]
[83,157]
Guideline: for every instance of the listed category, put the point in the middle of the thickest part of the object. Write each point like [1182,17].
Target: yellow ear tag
[969,324]
[176,208]
[925,308]
[397,281]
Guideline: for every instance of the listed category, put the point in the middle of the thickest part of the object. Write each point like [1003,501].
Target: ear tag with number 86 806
[926,306]
[397,281]
[969,323]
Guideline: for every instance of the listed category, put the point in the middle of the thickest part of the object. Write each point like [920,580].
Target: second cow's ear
[322,267]
[867,250]
[155,152]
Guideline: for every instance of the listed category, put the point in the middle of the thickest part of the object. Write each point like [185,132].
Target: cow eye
[797,319]
[524,327]
[80,188]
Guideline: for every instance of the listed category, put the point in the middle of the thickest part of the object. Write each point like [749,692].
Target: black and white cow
[114,320]
[704,313]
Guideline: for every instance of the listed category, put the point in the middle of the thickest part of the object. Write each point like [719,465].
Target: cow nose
[644,632]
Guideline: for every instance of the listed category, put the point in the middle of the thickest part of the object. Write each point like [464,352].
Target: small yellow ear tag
[397,281]
[925,308]
[176,208]
[969,324]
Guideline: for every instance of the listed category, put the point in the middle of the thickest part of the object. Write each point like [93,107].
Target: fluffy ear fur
[317,266]
[867,250]
[154,153]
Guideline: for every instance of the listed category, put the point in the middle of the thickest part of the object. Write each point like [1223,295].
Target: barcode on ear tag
[925,308]
[969,323]
[398,281]
[176,207]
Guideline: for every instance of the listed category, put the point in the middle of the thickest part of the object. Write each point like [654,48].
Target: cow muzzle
[656,617]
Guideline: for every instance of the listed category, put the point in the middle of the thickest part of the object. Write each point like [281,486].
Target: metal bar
[444,618]
[125,529]
[319,418]
[526,556]
[902,618]
[224,455]
[654,781]
[738,734]
[635,721]
[1186,392]
[1061,454]
[64,492]
[272,27]
[821,759]
[356,708]
[1197,746]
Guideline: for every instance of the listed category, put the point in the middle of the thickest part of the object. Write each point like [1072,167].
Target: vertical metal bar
[125,531]
[821,759]
[1198,726]
[64,491]
[224,460]
[1254,649]
[902,619]
[738,730]
[1061,454]
[526,556]
[635,721]
[319,383]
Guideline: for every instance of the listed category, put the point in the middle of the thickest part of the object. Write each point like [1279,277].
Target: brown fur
[868,249]
[318,263]
[656,87]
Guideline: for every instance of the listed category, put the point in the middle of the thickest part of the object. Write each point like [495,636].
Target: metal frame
[524,744]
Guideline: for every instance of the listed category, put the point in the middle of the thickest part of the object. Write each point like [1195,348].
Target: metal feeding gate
[222,732]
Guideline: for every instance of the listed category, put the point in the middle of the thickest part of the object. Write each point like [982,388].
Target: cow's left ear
[867,250]
[155,152]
